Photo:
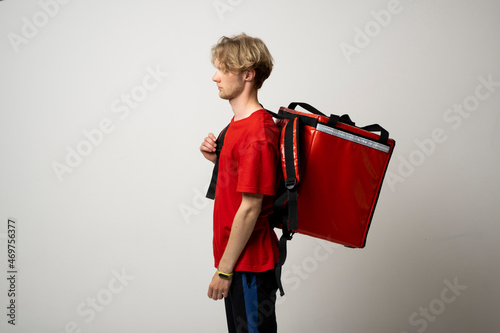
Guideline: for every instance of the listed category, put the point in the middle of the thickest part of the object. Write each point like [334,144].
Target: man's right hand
[207,147]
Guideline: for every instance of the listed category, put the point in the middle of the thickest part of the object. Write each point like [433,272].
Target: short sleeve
[257,169]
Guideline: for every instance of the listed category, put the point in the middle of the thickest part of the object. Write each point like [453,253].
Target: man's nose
[215,78]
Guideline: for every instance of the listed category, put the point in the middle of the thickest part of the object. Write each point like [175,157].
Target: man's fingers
[210,293]
[218,290]
[211,138]
[206,145]
[209,144]
[216,295]
[207,148]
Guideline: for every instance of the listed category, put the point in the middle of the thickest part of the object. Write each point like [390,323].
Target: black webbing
[290,214]
[287,235]
[286,205]
[334,119]
[306,106]
[292,132]
[384,134]
[279,219]
[215,172]
[305,120]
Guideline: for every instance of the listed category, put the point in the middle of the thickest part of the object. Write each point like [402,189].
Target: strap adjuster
[290,183]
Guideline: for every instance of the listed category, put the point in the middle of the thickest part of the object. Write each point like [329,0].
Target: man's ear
[249,75]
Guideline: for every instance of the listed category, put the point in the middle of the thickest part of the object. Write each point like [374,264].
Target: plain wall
[119,238]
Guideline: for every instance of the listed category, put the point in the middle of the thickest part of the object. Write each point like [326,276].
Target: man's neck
[244,105]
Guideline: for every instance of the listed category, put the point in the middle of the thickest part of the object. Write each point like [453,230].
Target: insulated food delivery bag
[332,174]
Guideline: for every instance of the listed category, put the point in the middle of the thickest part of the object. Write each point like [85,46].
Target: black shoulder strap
[292,168]
[215,172]
[291,172]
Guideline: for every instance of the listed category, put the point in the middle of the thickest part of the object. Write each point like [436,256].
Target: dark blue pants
[250,305]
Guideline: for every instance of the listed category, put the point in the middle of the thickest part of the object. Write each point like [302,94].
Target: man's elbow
[252,204]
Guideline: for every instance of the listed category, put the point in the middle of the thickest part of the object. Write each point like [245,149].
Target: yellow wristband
[224,275]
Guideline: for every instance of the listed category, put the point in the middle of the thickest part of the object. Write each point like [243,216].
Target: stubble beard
[231,92]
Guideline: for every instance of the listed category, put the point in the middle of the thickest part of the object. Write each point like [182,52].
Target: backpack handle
[334,119]
[306,106]
[384,134]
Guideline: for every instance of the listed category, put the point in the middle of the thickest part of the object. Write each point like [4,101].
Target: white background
[133,205]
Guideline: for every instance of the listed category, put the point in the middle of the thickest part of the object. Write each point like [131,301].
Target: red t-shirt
[247,163]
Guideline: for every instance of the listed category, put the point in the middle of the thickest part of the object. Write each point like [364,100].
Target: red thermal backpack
[332,173]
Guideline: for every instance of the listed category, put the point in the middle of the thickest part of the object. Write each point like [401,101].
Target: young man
[245,246]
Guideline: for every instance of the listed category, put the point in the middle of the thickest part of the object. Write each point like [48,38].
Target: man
[245,246]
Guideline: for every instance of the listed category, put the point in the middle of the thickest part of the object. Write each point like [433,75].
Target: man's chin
[223,96]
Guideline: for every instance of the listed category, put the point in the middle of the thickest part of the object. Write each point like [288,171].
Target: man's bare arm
[242,228]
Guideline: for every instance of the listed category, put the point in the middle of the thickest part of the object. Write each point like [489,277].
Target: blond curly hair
[240,53]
